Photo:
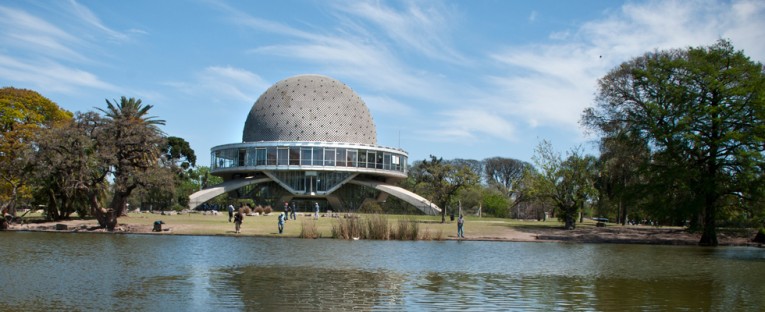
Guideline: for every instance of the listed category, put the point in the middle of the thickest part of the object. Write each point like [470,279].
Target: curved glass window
[308,156]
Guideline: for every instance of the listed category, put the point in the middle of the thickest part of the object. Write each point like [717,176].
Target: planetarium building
[307,139]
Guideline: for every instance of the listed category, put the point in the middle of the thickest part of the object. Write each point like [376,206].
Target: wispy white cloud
[425,28]
[353,51]
[386,105]
[469,124]
[550,84]
[533,16]
[34,35]
[50,75]
[86,16]
[543,85]
[224,84]
[54,56]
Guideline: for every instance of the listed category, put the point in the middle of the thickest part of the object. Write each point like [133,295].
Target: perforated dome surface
[310,108]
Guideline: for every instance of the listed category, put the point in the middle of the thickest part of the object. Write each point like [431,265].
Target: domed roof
[310,108]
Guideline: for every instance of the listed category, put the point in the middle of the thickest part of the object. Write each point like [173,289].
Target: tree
[701,111]
[136,147]
[506,174]
[567,184]
[177,165]
[495,203]
[22,114]
[71,166]
[622,159]
[442,180]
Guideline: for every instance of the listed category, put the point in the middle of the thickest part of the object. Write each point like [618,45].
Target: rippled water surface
[99,272]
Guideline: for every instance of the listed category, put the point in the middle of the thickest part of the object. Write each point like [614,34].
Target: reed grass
[308,229]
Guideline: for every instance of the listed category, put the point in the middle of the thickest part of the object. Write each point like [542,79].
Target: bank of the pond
[484,229]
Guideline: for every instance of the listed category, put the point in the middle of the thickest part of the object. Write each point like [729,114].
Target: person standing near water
[282,216]
[230,212]
[238,219]
[460,223]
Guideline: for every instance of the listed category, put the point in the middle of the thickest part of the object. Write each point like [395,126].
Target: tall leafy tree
[71,166]
[177,166]
[506,174]
[22,114]
[136,147]
[568,184]
[622,158]
[442,180]
[701,111]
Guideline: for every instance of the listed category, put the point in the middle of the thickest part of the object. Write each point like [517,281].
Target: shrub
[308,230]
[406,230]
[246,210]
[371,207]
[348,228]
[760,237]
[267,210]
[377,227]
[259,210]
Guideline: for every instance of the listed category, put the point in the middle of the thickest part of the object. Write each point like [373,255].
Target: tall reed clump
[406,229]
[308,230]
[349,228]
[377,227]
[427,235]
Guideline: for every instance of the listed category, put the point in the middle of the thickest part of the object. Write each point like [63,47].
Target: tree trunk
[570,222]
[52,210]
[709,233]
[623,209]
[116,209]
[95,208]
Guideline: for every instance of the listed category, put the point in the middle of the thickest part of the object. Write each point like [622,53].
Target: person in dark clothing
[238,219]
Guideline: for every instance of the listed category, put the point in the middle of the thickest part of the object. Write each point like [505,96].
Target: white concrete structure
[310,138]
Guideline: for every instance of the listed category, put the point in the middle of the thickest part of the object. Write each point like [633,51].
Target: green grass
[199,224]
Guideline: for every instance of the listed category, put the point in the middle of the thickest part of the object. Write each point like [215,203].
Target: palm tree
[131,110]
[134,142]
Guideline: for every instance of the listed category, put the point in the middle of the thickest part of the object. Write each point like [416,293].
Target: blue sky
[456,79]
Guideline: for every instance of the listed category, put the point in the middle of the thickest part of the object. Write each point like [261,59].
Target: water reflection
[304,288]
[91,272]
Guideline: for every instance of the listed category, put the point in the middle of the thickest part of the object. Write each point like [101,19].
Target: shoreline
[584,234]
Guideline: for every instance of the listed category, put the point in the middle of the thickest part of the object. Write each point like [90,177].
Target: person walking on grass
[460,224]
[292,211]
[316,211]
[282,216]
[238,219]
[286,211]
[230,212]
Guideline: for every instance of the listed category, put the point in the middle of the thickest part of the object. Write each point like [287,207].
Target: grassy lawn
[196,223]
[201,224]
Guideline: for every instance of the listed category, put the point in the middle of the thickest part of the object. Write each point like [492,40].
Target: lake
[99,272]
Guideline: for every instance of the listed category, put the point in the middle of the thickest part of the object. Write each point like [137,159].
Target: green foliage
[495,204]
[370,207]
[134,142]
[567,184]
[23,114]
[700,111]
[440,181]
